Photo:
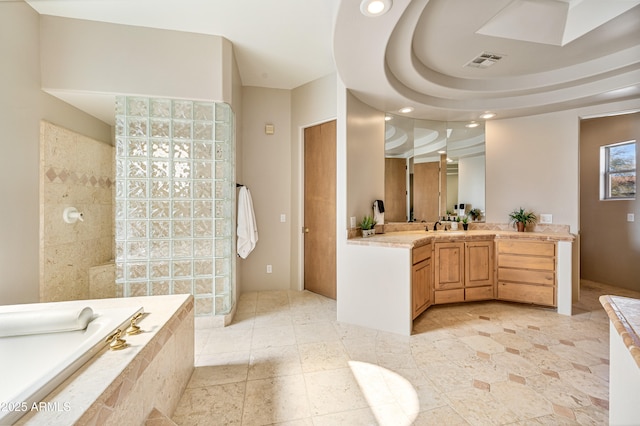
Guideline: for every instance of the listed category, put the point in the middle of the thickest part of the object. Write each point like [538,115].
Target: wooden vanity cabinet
[527,272]
[464,271]
[479,277]
[421,280]
[448,281]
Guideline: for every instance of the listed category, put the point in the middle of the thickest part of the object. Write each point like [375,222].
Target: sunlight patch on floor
[391,397]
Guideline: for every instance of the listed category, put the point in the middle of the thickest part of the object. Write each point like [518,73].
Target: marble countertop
[411,239]
[624,313]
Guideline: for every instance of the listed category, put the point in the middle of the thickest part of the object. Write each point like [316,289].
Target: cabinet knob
[306,230]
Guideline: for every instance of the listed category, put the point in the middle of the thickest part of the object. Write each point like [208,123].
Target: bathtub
[34,365]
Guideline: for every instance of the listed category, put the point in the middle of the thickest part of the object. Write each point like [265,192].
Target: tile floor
[286,361]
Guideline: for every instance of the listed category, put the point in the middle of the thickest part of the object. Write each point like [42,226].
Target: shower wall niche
[174,202]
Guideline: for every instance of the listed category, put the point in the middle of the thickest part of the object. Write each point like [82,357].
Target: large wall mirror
[431,167]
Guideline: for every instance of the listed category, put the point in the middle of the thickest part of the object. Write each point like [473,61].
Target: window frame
[605,173]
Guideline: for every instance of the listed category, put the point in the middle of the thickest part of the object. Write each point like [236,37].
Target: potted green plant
[465,223]
[366,224]
[475,214]
[522,218]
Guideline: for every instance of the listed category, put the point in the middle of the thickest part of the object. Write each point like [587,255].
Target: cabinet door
[421,287]
[479,267]
[449,266]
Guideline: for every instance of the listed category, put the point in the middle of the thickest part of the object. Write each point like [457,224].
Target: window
[618,171]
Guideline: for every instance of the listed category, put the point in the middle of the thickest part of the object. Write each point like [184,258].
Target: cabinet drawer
[421,253]
[449,296]
[526,262]
[527,293]
[527,247]
[478,293]
[526,276]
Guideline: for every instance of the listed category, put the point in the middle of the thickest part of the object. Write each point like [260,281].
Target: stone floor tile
[221,404]
[286,361]
[334,391]
[522,400]
[274,362]
[479,407]
[273,400]
[438,417]
[273,337]
[322,356]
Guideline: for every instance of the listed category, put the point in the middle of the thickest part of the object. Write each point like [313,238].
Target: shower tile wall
[75,171]
[175,195]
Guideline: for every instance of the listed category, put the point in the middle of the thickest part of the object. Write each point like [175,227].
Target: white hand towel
[247,231]
[378,212]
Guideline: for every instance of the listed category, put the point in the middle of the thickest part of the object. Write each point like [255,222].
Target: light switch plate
[269,129]
[546,218]
[631,217]
[283,218]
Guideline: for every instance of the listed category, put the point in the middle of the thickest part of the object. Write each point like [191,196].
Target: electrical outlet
[269,269]
[631,217]
[546,218]
[283,218]
[352,221]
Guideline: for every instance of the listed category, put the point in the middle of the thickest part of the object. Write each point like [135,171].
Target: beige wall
[471,183]
[22,106]
[365,158]
[311,104]
[87,56]
[610,246]
[532,162]
[272,168]
[266,171]
[75,171]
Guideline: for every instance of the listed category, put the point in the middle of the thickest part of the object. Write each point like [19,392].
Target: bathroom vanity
[394,277]
[624,357]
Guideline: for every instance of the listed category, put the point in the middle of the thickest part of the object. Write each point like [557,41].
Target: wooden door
[426,191]
[320,209]
[395,190]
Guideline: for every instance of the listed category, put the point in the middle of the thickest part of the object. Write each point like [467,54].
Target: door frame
[300,207]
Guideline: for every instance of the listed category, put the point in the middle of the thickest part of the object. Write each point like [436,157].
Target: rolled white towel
[378,212]
[44,321]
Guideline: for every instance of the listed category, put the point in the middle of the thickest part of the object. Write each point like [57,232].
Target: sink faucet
[435,225]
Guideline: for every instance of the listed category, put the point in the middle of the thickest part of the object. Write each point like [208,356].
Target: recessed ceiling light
[406,110]
[487,115]
[472,125]
[375,7]
[388,118]
[442,152]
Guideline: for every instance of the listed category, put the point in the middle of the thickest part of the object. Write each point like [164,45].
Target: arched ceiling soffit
[427,54]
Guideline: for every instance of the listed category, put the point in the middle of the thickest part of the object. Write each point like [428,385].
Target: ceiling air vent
[484,60]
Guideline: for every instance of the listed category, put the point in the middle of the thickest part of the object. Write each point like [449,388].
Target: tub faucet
[133,327]
[115,341]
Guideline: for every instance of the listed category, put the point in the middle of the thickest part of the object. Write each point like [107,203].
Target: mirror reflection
[433,169]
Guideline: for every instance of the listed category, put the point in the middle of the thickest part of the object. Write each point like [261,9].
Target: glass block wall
[175,198]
